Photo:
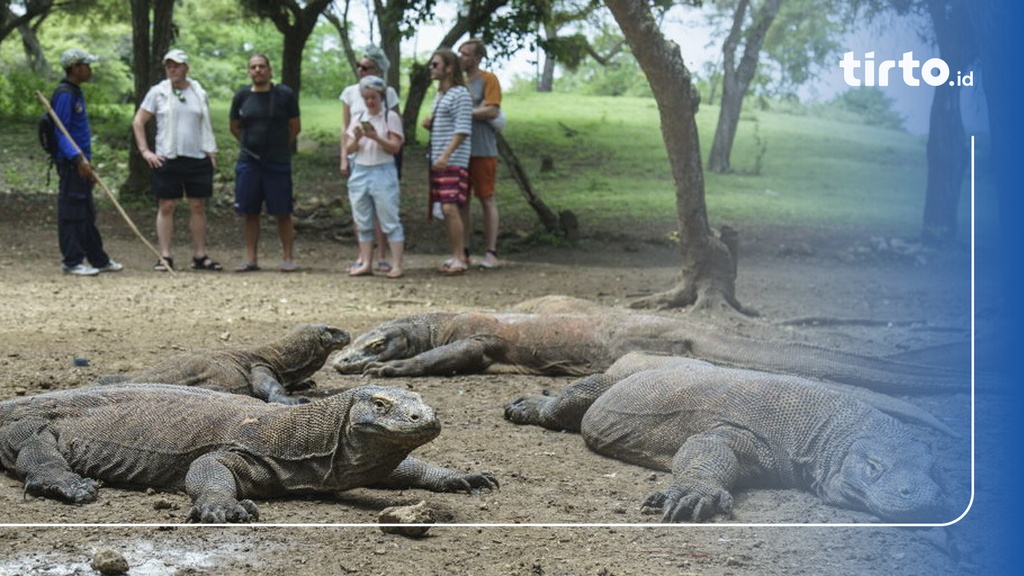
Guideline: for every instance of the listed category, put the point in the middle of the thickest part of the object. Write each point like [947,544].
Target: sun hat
[176,55]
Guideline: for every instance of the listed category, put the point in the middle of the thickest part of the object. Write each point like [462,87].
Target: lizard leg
[467,356]
[564,411]
[47,473]
[415,473]
[704,469]
[211,485]
[266,387]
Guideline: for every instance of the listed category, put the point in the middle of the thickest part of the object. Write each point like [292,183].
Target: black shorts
[191,177]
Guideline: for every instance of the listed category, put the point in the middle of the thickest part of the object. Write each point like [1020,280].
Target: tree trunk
[34,51]
[341,25]
[389,20]
[947,164]
[947,143]
[546,82]
[736,79]
[708,271]
[419,82]
[30,14]
[547,217]
[151,38]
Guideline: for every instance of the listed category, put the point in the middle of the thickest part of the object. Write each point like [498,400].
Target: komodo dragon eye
[377,344]
[381,405]
[874,468]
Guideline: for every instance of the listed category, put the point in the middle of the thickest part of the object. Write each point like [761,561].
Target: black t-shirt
[264,119]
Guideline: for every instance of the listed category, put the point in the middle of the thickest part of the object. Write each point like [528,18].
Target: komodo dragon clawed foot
[68,487]
[223,511]
[526,410]
[470,483]
[415,473]
[694,505]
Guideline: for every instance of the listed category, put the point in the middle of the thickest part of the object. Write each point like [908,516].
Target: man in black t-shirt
[265,121]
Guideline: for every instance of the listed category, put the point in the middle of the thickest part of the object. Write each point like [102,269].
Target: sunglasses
[180,94]
[366,67]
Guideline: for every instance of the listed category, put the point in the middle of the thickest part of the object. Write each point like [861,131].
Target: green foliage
[871,105]
[801,39]
[621,76]
[611,167]
[17,93]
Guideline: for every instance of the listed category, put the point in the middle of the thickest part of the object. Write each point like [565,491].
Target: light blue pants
[373,192]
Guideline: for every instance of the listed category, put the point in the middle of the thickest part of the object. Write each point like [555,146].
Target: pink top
[370,152]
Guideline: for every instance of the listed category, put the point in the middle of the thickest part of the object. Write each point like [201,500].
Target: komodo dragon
[442,343]
[716,429]
[267,372]
[222,449]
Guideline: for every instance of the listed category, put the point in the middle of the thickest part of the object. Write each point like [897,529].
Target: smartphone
[367,127]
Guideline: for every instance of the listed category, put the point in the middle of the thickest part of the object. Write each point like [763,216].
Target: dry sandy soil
[890,303]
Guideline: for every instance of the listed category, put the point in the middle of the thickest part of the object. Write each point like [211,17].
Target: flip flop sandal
[289,267]
[160,267]
[206,263]
[451,267]
[247,267]
[384,266]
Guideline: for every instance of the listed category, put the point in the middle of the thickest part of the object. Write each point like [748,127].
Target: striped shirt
[453,114]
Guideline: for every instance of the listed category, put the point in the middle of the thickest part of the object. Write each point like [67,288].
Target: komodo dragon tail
[878,374]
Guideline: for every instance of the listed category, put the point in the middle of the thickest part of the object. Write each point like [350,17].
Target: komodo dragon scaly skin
[267,372]
[222,449]
[579,344]
[716,429]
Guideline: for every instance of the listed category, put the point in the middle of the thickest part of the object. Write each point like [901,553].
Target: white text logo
[934,71]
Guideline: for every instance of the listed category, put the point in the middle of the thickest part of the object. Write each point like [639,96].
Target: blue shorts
[257,183]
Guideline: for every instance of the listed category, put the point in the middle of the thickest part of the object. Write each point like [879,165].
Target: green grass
[611,167]
[814,172]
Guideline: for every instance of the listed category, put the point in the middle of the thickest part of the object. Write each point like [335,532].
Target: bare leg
[453,220]
[397,253]
[252,237]
[165,225]
[287,234]
[365,267]
[380,240]
[197,225]
[490,210]
[467,223]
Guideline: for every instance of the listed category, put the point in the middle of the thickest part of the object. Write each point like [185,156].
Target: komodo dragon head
[403,337]
[304,350]
[390,416]
[890,474]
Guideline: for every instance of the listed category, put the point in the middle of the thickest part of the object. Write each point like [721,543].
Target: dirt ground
[867,297]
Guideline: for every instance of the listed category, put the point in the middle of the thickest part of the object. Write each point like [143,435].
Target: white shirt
[183,126]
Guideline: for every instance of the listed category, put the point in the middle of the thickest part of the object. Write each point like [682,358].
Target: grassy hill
[610,165]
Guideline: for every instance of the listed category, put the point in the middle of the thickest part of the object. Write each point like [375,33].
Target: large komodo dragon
[580,344]
[222,449]
[716,429]
[267,372]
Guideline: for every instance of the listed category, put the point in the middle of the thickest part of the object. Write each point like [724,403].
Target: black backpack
[47,129]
